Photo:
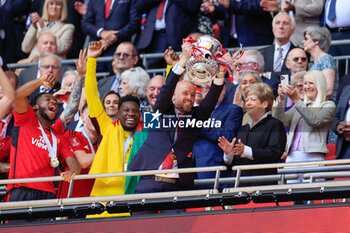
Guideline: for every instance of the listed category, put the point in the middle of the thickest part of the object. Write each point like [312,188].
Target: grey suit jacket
[315,124]
[30,74]
[268,54]
[104,85]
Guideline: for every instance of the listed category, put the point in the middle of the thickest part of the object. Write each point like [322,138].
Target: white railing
[217,169]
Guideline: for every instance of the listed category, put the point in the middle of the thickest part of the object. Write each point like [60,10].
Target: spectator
[298,84]
[62,96]
[74,17]
[80,7]
[341,125]
[305,13]
[50,64]
[111,21]
[246,79]
[53,20]
[253,60]
[296,61]
[262,140]
[110,104]
[124,58]
[134,82]
[206,151]
[153,90]
[167,23]
[317,42]
[113,153]
[336,19]
[46,45]
[68,81]
[253,24]
[7,39]
[17,11]
[309,120]
[283,27]
[36,139]
[174,147]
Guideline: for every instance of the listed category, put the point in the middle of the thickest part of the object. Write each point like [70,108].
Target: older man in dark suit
[50,64]
[283,27]
[171,147]
[124,58]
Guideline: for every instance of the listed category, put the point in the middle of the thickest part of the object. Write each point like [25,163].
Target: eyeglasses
[47,67]
[239,65]
[296,59]
[123,55]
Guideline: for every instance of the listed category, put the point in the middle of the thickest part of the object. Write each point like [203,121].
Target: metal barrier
[204,197]
[144,58]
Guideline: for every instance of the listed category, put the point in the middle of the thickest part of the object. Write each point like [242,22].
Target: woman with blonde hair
[309,120]
[53,20]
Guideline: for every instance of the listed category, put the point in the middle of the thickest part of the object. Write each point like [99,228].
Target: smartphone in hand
[284,80]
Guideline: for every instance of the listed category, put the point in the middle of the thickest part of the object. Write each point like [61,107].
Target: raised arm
[22,93]
[94,103]
[67,115]
[8,95]
[164,99]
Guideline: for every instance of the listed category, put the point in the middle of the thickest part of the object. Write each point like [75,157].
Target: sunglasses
[296,59]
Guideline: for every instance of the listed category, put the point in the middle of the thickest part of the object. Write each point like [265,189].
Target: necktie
[160,10]
[107,8]
[331,11]
[169,159]
[278,63]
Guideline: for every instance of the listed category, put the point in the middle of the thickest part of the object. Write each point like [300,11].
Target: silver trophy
[202,66]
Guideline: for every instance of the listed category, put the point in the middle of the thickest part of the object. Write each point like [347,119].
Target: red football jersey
[81,188]
[29,155]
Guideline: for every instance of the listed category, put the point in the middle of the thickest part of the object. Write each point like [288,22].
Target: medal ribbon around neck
[51,148]
[126,147]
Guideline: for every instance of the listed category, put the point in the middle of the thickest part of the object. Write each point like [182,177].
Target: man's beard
[130,129]
[44,115]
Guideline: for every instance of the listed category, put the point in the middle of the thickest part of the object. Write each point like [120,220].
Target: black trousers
[27,194]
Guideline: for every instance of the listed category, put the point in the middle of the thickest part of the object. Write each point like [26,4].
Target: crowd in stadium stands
[287,102]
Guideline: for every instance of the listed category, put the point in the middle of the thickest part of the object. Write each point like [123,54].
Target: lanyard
[127,144]
[90,144]
[4,126]
[51,148]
